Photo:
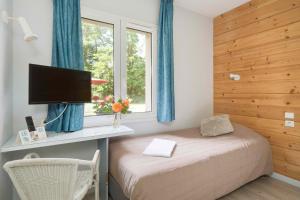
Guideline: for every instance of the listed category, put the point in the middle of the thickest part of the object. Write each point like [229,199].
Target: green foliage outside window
[98,59]
[135,70]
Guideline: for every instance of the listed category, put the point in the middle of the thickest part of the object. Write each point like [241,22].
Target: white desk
[101,134]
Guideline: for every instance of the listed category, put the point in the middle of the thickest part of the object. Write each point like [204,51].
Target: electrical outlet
[289,115]
[288,123]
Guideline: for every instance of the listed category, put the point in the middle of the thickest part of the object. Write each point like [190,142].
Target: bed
[201,168]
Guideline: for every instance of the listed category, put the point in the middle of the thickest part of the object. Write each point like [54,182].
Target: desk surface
[65,138]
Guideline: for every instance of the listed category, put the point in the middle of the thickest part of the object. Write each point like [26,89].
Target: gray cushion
[216,125]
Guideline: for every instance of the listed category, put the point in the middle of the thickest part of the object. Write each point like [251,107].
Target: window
[139,64]
[119,54]
[98,59]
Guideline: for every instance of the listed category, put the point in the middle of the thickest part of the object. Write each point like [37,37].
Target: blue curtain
[67,52]
[165,97]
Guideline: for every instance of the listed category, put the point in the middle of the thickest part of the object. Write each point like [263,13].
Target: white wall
[5,96]
[193,65]
[193,57]
[39,16]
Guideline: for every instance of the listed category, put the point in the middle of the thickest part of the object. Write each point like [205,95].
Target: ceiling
[210,8]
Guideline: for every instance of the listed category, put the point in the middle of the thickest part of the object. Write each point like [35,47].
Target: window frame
[120,25]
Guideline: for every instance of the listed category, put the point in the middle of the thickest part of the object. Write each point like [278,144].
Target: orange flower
[125,102]
[117,107]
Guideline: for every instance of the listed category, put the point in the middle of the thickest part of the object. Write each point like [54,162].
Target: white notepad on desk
[160,147]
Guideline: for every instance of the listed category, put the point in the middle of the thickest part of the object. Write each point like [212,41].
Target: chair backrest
[43,178]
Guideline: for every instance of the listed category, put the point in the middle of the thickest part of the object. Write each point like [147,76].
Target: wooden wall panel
[259,87]
[260,111]
[271,61]
[258,14]
[277,73]
[282,19]
[260,40]
[262,124]
[240,11]
[286,100]
[282,33]
[279,47]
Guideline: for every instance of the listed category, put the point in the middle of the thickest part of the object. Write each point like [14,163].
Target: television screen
[56,85]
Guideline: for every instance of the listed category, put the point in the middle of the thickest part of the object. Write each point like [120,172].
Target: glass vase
[117,119]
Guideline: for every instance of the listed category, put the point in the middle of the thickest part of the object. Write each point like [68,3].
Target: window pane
[98,58]
[139,64]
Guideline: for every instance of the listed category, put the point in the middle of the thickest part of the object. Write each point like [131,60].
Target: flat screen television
[49,85]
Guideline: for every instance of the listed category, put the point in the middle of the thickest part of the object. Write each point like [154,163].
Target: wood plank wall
[260,40]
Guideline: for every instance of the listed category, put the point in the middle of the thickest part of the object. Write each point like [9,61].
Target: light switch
[288,123]
[289,115]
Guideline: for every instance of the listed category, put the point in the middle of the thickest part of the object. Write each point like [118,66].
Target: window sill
[106,120]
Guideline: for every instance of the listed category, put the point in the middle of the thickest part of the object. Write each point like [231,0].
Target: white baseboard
[286,179]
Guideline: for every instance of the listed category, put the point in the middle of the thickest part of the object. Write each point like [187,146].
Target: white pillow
[216,125]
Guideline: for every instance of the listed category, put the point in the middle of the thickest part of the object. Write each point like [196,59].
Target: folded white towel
[160,147]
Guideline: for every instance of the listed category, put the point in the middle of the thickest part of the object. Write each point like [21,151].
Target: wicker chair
[54,178]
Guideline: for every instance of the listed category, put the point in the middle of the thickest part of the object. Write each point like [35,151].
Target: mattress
[200,168]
